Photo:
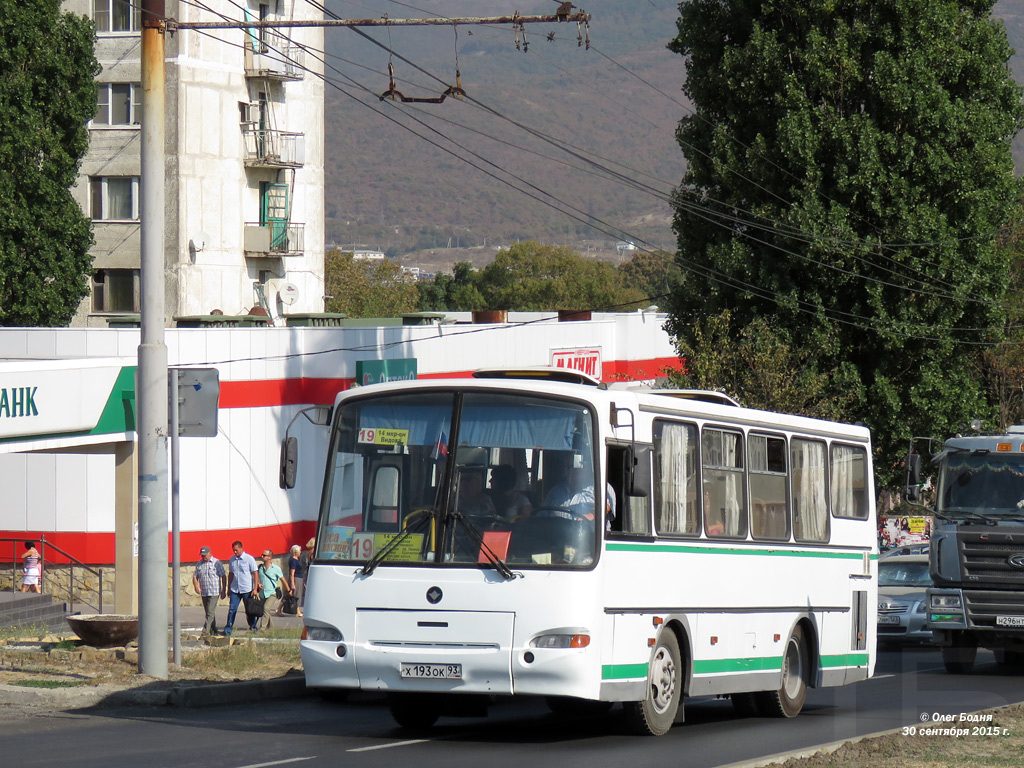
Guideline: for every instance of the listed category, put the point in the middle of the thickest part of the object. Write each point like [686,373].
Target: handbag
[290,605]
[254,607]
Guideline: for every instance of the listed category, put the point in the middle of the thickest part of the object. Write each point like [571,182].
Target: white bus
[533,532]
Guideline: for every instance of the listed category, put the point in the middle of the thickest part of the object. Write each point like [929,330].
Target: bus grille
[985,558]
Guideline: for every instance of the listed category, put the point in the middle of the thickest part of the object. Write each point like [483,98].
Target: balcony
[266,148]
[273,240]
[273,58]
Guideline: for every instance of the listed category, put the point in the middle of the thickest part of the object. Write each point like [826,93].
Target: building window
[116,15]
[118,104]
[114,198]
[115,290]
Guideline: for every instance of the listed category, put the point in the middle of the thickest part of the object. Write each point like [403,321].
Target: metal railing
[274,57]
[283,238]
[272,148]
[82,585]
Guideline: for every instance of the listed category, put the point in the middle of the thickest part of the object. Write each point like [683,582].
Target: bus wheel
[655,714]
[414,712]
[959,659]
[796,668]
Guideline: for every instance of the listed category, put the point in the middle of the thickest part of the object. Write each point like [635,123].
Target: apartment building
[244,127]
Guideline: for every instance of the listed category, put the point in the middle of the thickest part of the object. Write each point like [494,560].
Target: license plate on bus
[1010,621]
[888,619]
[431,671]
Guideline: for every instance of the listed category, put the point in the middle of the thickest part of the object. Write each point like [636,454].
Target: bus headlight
[945,602]
[561,641]
[322,634]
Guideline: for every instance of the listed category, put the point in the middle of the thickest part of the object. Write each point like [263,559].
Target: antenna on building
[288,293]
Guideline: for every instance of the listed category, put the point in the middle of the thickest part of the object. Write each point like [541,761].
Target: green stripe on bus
[748,664]
[685,549]
[845,660]
[753,664]
[623,671]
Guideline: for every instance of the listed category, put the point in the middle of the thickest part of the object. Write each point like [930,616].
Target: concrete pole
[151,392]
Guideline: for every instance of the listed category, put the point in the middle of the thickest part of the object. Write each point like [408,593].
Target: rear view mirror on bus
[289,460]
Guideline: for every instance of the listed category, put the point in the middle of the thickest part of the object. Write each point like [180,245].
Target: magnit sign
[586,360]
[53,400]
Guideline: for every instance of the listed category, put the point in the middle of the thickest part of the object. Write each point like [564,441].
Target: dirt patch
[60,659]
[995,738]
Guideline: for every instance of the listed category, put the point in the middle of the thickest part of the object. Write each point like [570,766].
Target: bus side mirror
[913,478]
[289,461]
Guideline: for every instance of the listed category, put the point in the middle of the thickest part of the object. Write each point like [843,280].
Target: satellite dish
[288,293]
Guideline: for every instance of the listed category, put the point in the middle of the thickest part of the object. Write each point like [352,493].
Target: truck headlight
[945,602]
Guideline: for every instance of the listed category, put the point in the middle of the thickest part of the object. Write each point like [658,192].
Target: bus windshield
[461,478]
[984,485]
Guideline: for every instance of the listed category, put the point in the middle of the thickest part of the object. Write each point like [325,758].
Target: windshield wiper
[478,538]
[425,516]
[968,514]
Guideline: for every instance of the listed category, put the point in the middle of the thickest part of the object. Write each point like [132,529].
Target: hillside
[388,187]
[556,143]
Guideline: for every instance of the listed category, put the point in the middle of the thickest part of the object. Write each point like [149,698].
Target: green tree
[47,94]
[760,367]
[532,276]
[655,275]
[367,288]
[455,292]
[848,168]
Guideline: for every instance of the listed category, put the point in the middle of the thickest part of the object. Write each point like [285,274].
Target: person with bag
[242,586]
[272,585]
[295,580]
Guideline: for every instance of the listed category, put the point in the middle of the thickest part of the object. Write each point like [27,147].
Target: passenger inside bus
[511,503]
[472,501]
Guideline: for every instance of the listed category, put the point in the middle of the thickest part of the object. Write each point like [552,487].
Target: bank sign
[65,397]
[586,360]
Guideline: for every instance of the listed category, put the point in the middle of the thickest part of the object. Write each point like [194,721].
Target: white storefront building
[67,440]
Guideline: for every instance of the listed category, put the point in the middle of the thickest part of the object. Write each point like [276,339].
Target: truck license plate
[431,671]
[1010,621]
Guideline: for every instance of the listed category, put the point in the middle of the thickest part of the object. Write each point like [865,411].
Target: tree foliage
[655,275]
[47,95]
[532,276]
[365,288]
[848,168]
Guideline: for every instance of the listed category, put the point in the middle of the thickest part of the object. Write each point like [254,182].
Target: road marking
[278,762]
[389,746]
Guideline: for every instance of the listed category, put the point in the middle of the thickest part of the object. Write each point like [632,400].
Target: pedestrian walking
[242,583]
[210,583]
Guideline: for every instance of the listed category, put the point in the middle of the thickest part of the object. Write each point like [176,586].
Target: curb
[184,696]
[220,694]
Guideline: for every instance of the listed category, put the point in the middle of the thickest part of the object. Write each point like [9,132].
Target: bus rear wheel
[788,701]
[655,715]
[414,712]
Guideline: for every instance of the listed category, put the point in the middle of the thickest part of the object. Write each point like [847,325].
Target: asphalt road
[910,686]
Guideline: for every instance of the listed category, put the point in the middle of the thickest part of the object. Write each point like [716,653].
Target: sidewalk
[146,691]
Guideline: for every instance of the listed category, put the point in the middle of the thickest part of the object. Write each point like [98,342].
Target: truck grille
[985,558]
[984,605]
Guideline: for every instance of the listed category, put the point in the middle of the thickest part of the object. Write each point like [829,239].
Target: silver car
[902,602]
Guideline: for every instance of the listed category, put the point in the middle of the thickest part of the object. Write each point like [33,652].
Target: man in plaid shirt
[210,582]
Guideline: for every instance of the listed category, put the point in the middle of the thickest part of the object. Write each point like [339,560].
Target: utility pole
[151,387]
